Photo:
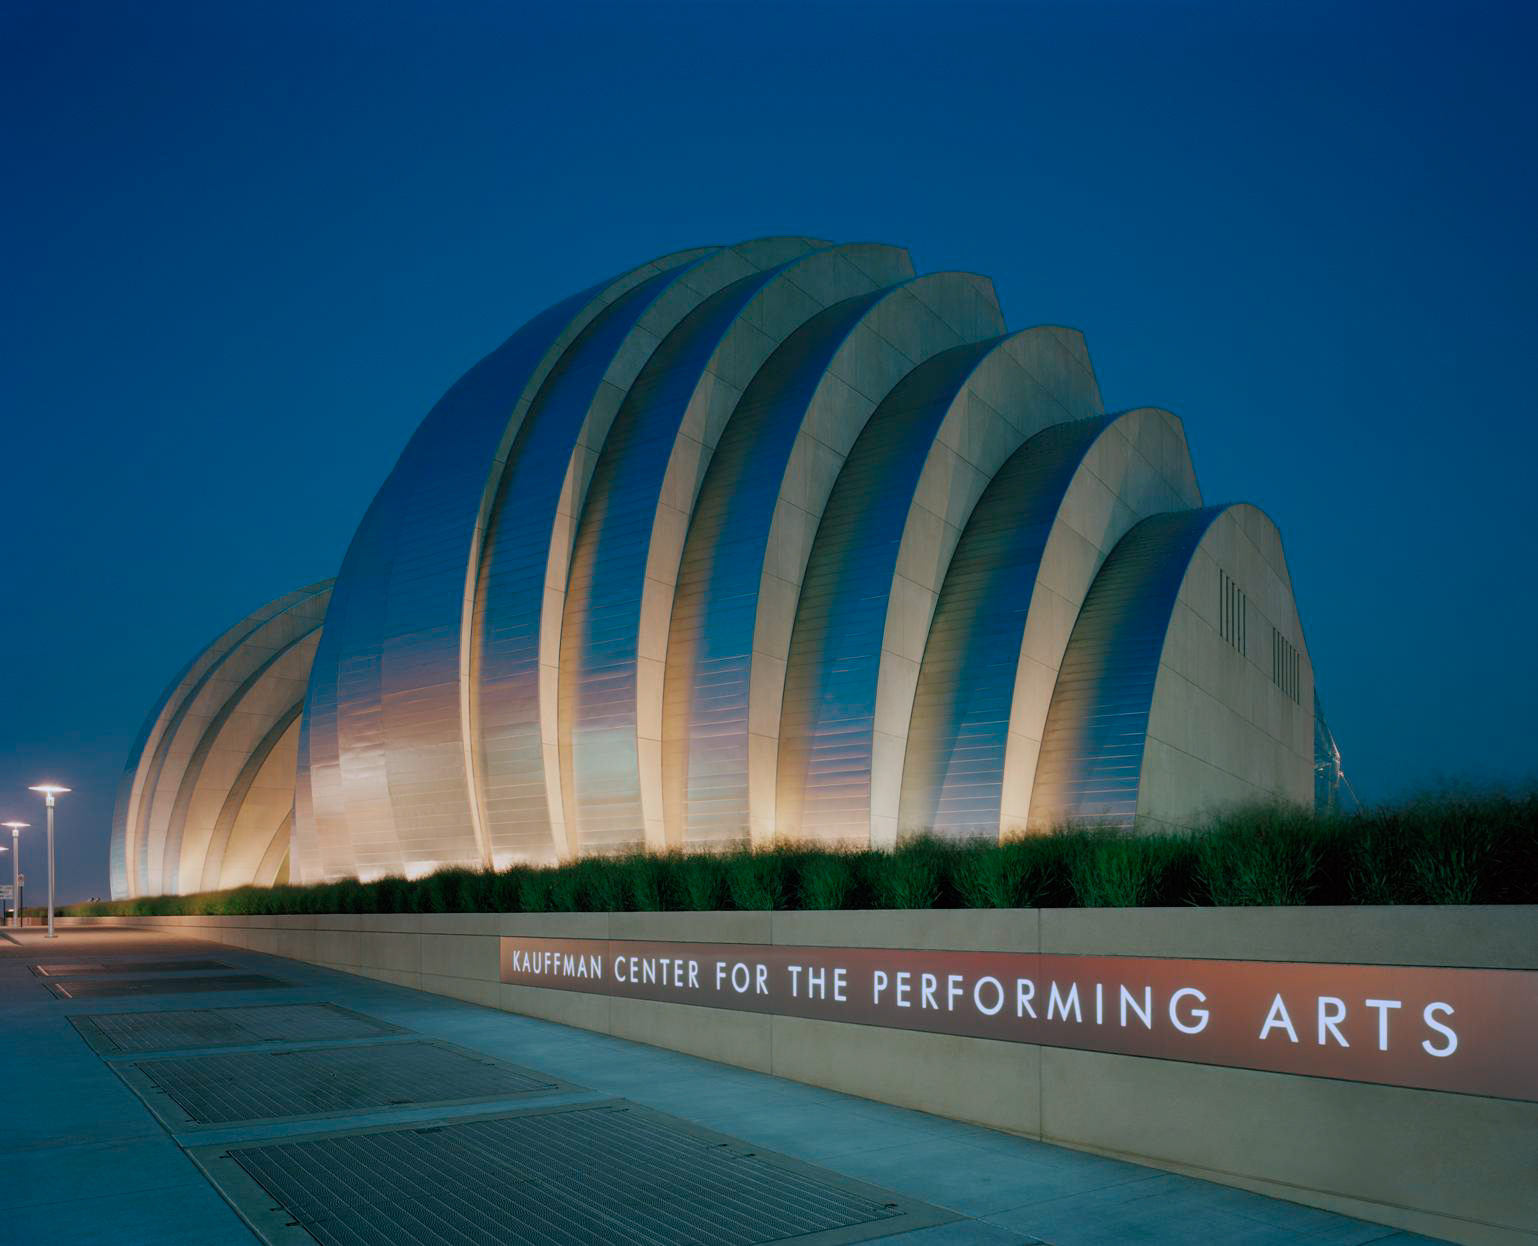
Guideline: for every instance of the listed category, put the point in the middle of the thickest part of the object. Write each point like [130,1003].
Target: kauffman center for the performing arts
[778,540]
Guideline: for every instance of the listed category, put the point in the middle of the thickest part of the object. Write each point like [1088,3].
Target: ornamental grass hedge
[1473,849]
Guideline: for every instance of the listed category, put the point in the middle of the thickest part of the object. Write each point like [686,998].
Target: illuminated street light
[16,829]
[49,791]
[16,868]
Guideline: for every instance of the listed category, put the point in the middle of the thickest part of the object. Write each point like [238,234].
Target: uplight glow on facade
[778,540]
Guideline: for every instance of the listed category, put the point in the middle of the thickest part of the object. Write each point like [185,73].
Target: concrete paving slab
[86,1161]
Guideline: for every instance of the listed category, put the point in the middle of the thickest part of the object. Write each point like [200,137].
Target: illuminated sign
[1473,1031]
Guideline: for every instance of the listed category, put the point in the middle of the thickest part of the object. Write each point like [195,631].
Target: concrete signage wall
[1466,1030]
[1376,1061]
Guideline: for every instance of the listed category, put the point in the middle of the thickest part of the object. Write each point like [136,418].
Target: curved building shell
[207,798]
[781,539]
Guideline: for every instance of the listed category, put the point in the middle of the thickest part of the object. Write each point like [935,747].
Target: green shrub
[534,891]
[1110,870]
[568,891]
[911,876]
[700,882]
[1449,848]
[1454,844]
[1446,849]
[756,880]
[1514,869]
[359,897]
[506,890]
[1268,856]
[439,891]
[650,880]
[1013,874]
[828,880]
[603,884]
[477,891]
[1376,860]
[393,894]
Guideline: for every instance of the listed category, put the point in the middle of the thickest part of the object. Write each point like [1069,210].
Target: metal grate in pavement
[97,988]
[569,1176]
[64,968]
[112,1033]
[320,1081]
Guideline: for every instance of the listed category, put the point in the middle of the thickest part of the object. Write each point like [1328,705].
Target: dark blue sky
[247,246]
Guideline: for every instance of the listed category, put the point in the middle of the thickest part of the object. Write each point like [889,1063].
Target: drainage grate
[320,1081]
[92,988]
[114,1032]
[608,1172]
[59,968]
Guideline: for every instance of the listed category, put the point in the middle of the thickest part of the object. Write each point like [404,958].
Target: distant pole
[16,830]
[49,791]
[50,933]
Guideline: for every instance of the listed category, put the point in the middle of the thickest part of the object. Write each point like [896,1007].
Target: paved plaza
[142,1069]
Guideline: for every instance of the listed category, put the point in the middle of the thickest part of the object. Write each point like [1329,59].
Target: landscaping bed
[1479,849]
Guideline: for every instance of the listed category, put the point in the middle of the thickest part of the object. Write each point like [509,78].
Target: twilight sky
[247,247]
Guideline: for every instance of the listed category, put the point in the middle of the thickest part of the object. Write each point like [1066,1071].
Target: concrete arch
[221,708]
[1160,697]
[259,801]
[123,850]
[753,529]
[240,727]
[631,536]
[159,825]
[882,547]
[1022,568]
[275,862]
[130,855]
[527,553]
[384,757]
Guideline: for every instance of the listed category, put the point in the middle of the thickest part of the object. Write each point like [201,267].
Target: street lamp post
[49,791]
[16,829]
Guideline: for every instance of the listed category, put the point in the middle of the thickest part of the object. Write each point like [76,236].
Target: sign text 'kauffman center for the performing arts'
[1464,1030]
